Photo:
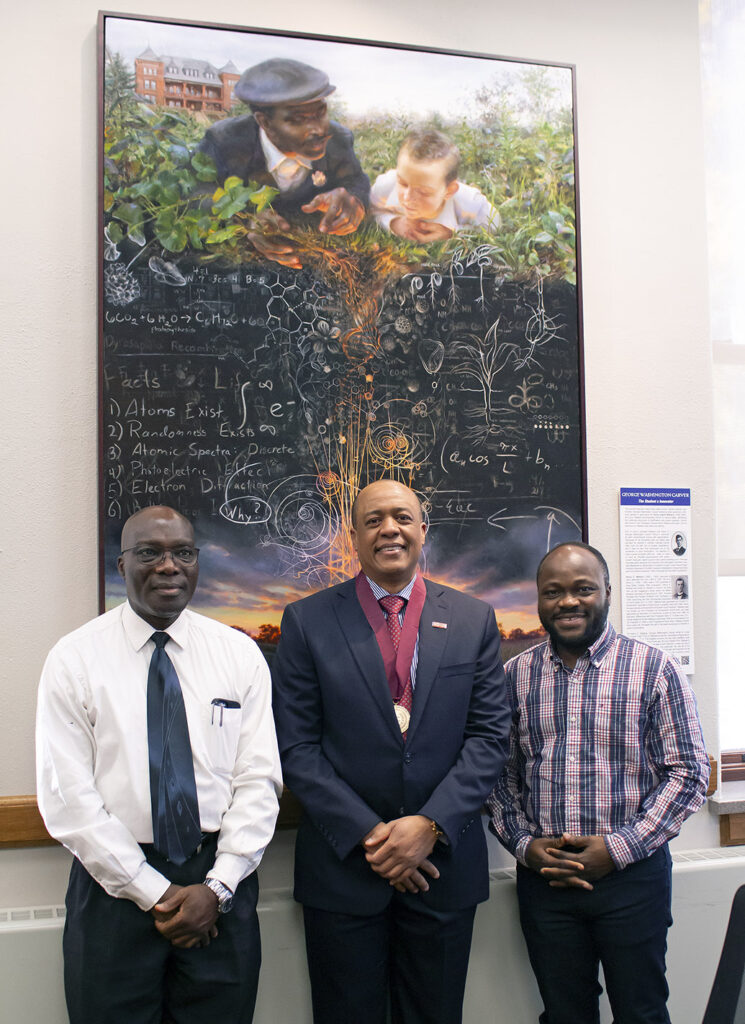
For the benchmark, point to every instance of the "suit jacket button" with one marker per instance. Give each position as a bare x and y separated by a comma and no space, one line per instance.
407,759
401,812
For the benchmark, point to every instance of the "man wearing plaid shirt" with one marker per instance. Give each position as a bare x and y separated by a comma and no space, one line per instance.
606,761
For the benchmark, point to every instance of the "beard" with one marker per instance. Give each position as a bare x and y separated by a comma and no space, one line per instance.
594,626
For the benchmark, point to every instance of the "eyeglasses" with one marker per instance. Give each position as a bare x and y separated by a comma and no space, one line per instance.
154,554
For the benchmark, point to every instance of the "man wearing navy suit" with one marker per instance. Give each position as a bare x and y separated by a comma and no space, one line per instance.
393,724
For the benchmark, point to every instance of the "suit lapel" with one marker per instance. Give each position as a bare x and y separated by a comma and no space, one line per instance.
432,640
361,641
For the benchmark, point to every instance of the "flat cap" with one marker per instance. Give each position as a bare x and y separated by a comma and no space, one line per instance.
282,81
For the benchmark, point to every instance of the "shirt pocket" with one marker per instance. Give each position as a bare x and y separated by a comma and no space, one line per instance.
616,729
222,729
464,669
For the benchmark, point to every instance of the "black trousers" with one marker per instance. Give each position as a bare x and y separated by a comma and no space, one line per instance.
622,923
409,954
120,970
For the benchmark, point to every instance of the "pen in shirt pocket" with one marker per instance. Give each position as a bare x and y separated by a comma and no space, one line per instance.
222,703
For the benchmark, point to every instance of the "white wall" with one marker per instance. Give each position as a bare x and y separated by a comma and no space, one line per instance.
500,987
648,365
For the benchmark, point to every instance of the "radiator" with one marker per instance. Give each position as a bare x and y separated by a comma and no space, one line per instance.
31,966
500,990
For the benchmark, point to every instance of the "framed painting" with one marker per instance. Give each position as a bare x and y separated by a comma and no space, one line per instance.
327,261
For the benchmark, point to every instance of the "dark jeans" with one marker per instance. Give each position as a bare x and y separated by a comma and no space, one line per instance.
416,955
120,970
622,924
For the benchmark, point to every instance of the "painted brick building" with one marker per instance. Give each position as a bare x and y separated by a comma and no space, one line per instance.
183,82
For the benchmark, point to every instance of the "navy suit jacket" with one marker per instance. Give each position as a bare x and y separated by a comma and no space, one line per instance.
235,146
345,759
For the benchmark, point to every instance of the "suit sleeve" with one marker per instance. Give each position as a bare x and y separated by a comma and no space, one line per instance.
509,822
331,804
210,148
233,145
462,792
345,170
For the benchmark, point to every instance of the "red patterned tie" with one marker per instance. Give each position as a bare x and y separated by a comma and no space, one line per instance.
392,605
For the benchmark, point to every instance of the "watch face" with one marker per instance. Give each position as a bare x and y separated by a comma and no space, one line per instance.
224,895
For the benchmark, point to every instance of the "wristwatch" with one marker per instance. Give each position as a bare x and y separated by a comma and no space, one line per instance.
224,895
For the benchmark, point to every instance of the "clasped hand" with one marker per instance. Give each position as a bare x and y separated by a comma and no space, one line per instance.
186,915
398,850
419,230
586,861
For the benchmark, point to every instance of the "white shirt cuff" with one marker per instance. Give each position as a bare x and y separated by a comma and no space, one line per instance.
145,889
230,870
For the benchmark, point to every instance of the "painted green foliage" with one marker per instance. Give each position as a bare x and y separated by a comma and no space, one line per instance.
159,191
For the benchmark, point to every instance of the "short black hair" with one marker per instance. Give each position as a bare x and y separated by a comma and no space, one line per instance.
585,547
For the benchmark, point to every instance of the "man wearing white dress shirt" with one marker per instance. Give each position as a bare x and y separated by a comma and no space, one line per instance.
161,905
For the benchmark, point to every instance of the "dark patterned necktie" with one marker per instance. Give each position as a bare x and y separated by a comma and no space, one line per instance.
392,605
173,791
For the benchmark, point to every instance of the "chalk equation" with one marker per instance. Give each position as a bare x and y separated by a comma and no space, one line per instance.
259,401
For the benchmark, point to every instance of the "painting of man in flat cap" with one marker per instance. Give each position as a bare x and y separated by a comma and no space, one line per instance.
288,142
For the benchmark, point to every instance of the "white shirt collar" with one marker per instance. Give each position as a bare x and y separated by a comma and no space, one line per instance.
404,592
139,632
274,157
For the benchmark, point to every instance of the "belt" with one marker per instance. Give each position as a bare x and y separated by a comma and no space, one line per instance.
207,839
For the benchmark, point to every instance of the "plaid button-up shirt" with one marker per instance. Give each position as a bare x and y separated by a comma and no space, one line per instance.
613,748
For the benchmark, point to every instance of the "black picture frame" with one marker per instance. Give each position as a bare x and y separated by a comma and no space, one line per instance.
258,397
